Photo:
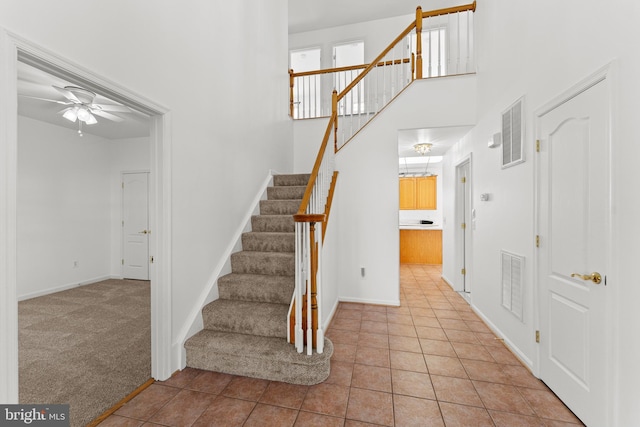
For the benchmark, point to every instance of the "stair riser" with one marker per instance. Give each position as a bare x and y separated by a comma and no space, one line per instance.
286,193
279,207
261,263
269,292
273,223
247,366
289,180
269,243
266,320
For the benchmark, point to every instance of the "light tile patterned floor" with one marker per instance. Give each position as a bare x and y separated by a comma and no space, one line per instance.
430,362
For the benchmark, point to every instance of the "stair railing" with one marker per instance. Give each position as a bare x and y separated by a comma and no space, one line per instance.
310,226
367,92
441,45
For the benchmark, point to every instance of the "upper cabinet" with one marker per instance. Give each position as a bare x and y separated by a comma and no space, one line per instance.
418,193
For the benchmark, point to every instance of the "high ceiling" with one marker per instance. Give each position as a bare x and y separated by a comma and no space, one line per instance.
307,15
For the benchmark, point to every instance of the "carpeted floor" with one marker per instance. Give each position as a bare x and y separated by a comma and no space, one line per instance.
88,347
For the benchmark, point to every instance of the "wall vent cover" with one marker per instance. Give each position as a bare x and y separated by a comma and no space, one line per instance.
513,135
512,283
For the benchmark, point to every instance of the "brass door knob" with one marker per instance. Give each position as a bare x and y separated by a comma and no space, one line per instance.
595,277
144,232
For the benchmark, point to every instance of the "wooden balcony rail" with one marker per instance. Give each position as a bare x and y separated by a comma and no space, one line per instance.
366,94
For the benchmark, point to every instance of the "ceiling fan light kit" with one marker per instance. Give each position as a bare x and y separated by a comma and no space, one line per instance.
81,107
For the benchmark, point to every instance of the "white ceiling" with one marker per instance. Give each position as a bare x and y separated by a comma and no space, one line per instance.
33,82
442,139
307,15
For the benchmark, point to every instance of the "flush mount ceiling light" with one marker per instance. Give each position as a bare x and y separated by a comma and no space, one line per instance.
422,148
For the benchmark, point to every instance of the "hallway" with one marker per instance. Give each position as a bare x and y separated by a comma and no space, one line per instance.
430,362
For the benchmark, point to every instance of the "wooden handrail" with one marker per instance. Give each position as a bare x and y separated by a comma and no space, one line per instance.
455,9
347,68
302,211
471,7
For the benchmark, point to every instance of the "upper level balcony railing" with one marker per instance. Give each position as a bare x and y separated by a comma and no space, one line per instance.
437,43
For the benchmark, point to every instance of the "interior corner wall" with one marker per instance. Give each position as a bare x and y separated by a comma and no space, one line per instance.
64,202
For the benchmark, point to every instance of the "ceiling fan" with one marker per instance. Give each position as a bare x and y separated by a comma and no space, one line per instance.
80,106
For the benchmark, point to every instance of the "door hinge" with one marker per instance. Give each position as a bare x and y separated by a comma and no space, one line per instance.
463,179
464,226
123,185
122,262
151,259
537,241
537,145
538,336
463,271
123,222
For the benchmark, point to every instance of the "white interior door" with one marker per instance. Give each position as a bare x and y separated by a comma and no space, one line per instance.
574,230
463,224
135,225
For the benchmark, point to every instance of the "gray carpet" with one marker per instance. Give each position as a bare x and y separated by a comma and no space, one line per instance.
88,347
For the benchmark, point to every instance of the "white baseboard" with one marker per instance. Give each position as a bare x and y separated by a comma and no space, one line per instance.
394,303
62,288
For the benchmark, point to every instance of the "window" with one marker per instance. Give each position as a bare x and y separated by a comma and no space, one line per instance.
307,89
345,55
434,51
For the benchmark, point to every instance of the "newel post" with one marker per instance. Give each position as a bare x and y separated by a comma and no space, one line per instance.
419,42
291,92
314,284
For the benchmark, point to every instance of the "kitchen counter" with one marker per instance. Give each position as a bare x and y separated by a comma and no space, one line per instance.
417,226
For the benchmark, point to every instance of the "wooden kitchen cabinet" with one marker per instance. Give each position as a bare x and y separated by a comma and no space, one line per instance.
421,246
418,193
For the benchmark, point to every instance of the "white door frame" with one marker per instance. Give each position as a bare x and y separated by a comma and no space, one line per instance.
607,75
13,47
459,217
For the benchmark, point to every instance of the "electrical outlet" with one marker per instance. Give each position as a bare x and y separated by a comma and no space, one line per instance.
362,271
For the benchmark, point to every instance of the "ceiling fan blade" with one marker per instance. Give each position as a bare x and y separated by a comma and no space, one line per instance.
108,116
112,107
67,94
45,99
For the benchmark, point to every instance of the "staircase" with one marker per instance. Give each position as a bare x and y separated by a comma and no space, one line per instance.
245,330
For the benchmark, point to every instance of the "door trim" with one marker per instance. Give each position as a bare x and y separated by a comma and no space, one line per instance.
13,48
607,75
458,235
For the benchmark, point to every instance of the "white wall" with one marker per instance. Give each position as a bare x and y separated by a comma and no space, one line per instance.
367,195
518,56
64,206
227,91
70,205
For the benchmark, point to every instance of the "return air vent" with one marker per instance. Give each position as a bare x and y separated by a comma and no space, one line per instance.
513,135
512,278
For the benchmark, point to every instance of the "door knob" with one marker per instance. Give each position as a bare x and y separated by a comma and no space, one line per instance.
144,232
595,277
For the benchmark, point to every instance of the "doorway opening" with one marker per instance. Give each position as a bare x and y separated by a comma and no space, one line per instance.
14,51
463,227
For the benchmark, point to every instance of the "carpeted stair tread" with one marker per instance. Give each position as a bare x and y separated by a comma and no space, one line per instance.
274,223
252,262
269,242
294,179
246,317
279,207
256,287
290,192
257,357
